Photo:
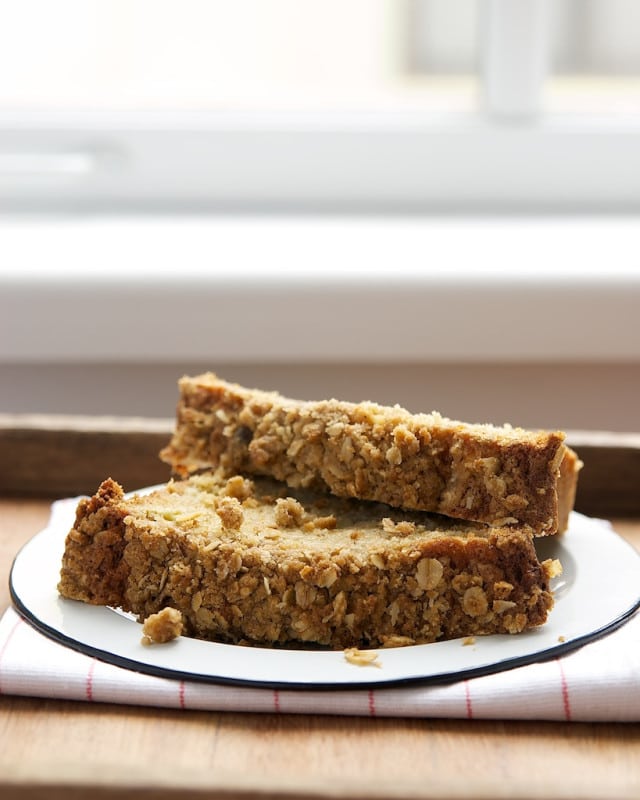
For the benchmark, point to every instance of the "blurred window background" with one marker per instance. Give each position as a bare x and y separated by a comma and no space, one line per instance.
407,200
403,103
309,54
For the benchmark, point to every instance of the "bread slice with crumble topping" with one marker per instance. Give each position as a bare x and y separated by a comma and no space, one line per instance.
499,476
254,561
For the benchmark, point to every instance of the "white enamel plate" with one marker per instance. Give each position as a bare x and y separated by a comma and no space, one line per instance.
598,591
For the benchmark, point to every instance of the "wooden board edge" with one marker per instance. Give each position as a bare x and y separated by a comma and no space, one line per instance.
58,455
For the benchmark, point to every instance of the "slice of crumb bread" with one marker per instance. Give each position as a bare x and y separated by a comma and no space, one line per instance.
499,476
252,561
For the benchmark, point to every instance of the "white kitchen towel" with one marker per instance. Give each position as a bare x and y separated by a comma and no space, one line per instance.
599,682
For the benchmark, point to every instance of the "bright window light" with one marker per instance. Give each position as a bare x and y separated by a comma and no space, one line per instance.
215,55
320,105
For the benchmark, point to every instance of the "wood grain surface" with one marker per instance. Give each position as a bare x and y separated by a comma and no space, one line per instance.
59,749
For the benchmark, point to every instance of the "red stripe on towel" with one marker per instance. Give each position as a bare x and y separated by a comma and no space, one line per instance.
276,701
372,703
566,703
467,694
88,686
181,695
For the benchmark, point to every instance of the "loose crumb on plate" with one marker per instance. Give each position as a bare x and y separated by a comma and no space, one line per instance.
554,568
468,640
162,627
361,658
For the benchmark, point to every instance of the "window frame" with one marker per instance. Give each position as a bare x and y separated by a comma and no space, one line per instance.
319,162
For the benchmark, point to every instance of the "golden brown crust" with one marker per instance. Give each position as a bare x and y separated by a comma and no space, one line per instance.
567,486
497,476
95,547
376,577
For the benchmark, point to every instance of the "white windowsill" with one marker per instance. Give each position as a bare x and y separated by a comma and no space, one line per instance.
311,289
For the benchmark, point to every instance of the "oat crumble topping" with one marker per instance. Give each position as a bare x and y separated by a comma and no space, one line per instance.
289,512
230,512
